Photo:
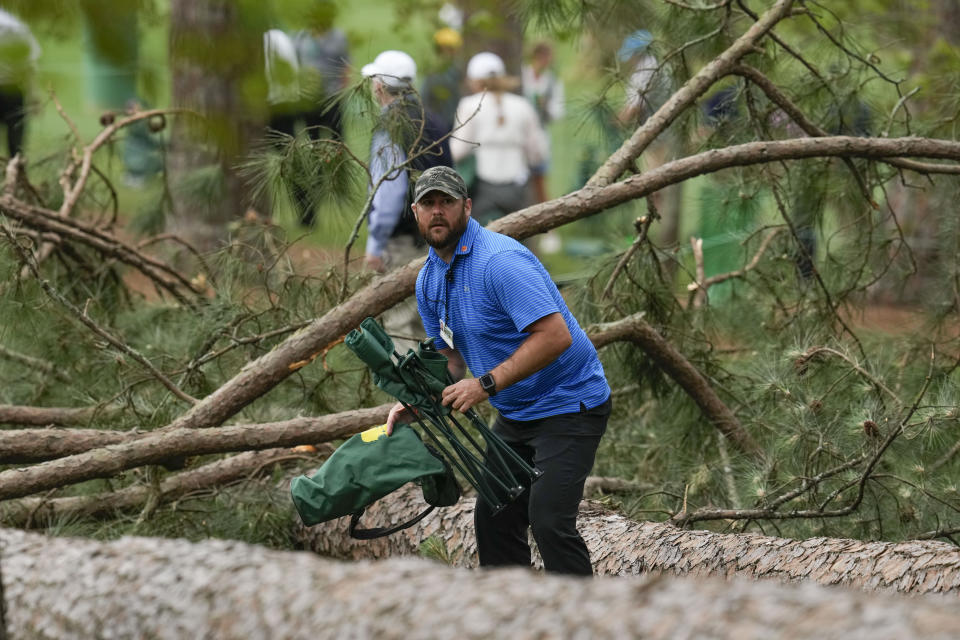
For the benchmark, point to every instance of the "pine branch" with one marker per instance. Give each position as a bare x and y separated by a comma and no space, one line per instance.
667,357
687,95
770,512
642,225
739,273
37,364
877,384
93,326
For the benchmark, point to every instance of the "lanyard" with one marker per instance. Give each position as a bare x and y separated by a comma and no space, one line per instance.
447,281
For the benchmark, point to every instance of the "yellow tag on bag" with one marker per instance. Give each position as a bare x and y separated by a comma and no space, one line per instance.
374,433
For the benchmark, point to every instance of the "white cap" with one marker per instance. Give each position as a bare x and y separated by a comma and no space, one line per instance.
485,65
393,68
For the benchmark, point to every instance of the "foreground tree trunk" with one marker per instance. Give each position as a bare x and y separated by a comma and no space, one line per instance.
619,546
156,588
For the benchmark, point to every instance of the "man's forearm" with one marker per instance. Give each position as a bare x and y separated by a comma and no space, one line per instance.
548,339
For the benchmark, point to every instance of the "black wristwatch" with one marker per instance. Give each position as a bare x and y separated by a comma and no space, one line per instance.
489,384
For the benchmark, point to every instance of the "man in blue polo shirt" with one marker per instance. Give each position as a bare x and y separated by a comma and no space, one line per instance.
493,308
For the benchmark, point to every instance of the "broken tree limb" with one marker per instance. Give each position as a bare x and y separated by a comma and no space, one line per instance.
103,243
26,446
157,588
684,97
300,349
261,375
160,446
43,512
619,546
42,416
591,200
636,330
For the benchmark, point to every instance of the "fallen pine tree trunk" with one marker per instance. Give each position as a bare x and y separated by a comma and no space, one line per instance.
159,446
24,446
42,512
19,446
619,546
158,588
43,416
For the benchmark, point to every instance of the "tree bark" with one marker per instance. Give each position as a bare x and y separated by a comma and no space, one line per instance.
41,512
24,446
619,546
161,446
43,416
157,588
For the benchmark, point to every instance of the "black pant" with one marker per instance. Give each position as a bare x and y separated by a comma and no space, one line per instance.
14,117
549,507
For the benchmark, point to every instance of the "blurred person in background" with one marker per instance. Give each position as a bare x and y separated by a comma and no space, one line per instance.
324,57
502,132
322,60
19,52
544,90
645,89
393,238
441,89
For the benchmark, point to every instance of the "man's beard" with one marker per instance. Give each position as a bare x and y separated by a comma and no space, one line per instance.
435,236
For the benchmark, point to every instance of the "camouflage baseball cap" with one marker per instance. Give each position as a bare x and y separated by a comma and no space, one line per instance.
439,179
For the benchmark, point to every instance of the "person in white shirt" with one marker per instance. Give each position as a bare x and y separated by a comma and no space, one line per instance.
646,86
503,132
544,90
541,86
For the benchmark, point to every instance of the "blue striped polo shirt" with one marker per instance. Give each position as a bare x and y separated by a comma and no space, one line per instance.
492,289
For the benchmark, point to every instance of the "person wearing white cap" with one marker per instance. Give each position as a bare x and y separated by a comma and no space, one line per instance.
503,131
646,86
406,131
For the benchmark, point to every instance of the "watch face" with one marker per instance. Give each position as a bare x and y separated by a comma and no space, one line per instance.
486,381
